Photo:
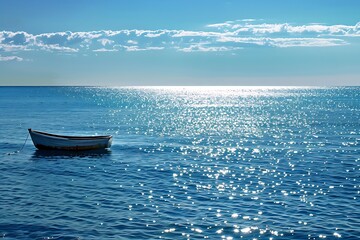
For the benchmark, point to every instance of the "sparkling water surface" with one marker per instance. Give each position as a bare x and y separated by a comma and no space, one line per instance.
186,163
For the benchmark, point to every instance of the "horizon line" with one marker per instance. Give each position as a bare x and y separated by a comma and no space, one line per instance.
184,86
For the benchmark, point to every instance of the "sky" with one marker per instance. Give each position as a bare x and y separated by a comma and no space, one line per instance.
180,42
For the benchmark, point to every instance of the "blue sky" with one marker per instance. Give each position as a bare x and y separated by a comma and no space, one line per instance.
169,42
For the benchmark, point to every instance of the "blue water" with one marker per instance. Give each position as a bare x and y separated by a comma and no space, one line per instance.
186,163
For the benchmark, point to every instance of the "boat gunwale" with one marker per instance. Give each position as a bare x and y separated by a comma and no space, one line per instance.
70,137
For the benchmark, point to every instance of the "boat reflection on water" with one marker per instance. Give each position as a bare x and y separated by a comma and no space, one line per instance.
58,154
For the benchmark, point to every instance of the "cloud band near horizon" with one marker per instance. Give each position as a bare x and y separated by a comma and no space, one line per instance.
230,36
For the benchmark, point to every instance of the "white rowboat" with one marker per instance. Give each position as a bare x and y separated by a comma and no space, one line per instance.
43,140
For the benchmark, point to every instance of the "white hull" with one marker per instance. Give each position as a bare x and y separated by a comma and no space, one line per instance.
44,140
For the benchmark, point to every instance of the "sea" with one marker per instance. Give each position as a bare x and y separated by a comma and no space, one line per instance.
186,163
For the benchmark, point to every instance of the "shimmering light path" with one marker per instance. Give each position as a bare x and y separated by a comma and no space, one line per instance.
187,162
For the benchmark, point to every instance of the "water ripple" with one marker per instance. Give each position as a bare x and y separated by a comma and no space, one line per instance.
218,163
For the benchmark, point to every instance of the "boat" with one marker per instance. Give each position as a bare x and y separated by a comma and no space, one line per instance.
47,141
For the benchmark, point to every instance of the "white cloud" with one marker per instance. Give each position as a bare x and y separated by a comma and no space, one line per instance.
241,26
226,24
206,47
11,58
137,48
155,34
286,42
306,42
105,50
229,36
132,42
244,40
229,24
154,48
183,33
13,48
105,41
57,48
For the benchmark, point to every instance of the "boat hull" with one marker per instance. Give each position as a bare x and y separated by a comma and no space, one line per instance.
46,141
